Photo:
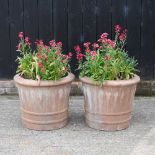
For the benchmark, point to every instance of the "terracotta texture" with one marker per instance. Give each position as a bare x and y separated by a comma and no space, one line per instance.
108,107
44,104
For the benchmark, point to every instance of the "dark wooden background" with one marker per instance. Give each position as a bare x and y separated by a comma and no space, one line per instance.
77,21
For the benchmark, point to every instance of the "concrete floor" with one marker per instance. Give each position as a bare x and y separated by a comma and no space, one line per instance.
76,138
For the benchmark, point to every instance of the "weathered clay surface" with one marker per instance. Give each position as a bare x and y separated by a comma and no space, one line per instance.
108,107
44,104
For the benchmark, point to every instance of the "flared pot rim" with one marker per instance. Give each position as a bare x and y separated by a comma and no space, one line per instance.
29,82
132,81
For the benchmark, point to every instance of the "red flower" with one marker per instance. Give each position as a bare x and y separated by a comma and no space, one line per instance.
77,48
45,57
103,38
80,56
95,45
104,35
93,53
27,40
122,37
47,48
86,45
59,44
41,65
69,55
111,43
117,28
99,40
52,43
87,50
20,35
125,31
39,42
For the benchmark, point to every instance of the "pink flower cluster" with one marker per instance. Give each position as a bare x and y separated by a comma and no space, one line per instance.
108,42
79,55
40,45
56,46
103,42
39,42
21,35
69,56
87,50
117,28
26,40
121,35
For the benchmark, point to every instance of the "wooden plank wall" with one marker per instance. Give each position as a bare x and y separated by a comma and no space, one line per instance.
74,22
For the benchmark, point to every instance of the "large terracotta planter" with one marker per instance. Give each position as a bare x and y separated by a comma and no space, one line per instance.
108,107
44,104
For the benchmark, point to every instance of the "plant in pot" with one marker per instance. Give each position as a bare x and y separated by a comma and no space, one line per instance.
109,81
43,80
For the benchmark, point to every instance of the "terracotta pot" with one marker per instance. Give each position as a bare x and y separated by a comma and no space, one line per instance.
44,104
108,107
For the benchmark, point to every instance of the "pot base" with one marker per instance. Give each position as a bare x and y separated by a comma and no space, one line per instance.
107,127
40,127
44,121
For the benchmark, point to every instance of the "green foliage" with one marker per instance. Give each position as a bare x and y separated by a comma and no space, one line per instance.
119,67
107,60
46,63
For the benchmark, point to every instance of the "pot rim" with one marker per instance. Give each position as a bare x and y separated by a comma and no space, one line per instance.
132,81
29,82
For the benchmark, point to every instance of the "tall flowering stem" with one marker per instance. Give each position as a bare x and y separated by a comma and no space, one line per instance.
24,44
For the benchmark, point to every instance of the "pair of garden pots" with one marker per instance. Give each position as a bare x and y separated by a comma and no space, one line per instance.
44,104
